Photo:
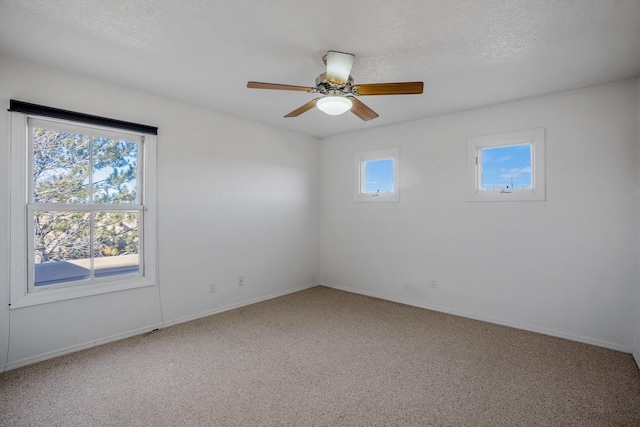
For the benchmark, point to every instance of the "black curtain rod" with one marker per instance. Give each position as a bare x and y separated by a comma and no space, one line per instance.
56,113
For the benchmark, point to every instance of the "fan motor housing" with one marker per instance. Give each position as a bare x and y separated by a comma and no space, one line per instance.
327,87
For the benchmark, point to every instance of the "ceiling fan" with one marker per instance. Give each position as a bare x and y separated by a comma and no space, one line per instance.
339,92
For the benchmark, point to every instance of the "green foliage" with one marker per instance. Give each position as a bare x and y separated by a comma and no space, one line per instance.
75,169
60,167
120,157
61,235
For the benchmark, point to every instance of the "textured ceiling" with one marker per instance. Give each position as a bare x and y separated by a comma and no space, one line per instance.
469,53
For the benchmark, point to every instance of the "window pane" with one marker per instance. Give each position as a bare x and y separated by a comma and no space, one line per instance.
60,167
379,176
116,244
506,167
61,247
115,171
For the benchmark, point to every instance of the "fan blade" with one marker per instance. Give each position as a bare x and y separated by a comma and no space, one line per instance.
407,88
339,66
306,107
260,85
362,111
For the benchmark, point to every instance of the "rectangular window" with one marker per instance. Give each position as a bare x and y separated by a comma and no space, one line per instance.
506,167
89,210
376,175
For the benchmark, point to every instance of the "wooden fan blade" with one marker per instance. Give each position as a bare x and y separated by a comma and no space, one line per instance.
275,86
306,107
339,66
407,88
362,111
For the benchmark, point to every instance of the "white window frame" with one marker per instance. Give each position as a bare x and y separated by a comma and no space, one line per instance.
475,145
22,294
360,161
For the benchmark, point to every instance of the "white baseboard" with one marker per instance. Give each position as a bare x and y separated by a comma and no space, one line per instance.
558,334
71,349
636,356
238,305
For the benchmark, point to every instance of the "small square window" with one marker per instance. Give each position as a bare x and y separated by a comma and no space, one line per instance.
376,175
507,166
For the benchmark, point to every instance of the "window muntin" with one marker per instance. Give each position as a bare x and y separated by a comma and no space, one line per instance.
507,166
83,210
377,175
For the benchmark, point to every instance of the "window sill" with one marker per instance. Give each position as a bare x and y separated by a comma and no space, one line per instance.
46,296
377,198
506,196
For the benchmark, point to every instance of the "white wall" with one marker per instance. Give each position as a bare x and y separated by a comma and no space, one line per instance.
636,347
565,266
236,198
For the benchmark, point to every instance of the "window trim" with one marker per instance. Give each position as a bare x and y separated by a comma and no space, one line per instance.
534,137
19,236
360,159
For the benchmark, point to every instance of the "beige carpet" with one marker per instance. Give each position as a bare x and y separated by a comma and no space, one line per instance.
323,357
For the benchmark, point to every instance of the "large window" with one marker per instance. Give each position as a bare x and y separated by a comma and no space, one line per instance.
83,209
506,166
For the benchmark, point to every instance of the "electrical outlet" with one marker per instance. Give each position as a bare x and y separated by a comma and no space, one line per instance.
212,287
434,283
241,281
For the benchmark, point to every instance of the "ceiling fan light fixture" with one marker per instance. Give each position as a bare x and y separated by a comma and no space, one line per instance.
337,91
334,105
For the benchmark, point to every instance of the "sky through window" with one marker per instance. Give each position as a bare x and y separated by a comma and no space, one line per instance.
379,176
506,167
